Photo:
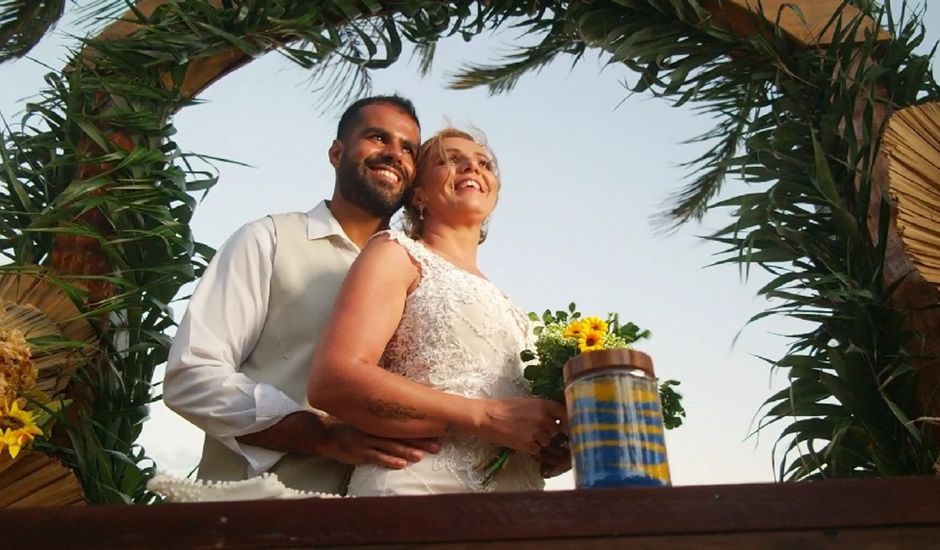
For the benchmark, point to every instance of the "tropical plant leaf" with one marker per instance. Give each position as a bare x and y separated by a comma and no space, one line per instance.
23,23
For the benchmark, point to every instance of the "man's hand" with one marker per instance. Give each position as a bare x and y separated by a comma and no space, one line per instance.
307,433
349,445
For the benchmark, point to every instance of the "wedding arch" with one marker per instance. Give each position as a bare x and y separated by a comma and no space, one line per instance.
821,107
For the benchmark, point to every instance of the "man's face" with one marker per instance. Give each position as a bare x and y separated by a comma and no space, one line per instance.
375,161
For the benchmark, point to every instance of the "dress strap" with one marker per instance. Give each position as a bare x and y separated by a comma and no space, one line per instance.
425,258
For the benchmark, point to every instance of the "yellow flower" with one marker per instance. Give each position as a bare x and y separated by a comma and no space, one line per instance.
595,324
18,428
574,330
591,340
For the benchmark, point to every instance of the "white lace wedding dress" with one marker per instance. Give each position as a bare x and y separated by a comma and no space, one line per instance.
460,334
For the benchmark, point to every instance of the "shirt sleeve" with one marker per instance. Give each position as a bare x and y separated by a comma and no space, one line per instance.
222,324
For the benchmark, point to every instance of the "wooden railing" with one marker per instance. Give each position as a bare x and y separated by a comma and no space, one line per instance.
884,513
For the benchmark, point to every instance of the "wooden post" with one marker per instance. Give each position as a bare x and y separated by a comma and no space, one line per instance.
806,21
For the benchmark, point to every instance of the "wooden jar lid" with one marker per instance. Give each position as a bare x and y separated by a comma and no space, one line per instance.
595,361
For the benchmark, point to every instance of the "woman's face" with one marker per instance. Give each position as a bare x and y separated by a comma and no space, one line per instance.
460,186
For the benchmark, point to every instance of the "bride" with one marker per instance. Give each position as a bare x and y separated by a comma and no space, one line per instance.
421,344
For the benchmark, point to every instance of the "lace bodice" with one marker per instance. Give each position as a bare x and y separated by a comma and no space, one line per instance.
460,334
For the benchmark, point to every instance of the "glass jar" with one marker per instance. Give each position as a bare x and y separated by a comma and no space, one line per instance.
616,419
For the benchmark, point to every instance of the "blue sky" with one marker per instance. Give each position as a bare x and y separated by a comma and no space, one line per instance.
584,166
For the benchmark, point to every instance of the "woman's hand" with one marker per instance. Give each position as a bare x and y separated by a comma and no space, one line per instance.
524,423
556,458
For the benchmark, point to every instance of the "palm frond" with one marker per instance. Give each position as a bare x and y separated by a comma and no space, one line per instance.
425,55
23,23
91,14
502,78
556,37
714,166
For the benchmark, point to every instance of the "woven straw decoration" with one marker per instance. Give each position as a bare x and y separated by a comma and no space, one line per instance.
60,341
911,147
34,479
38,308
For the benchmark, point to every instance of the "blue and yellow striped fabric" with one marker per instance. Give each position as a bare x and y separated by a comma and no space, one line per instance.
617,433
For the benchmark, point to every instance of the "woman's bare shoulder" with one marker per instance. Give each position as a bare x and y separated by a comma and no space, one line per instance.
385,244
384,251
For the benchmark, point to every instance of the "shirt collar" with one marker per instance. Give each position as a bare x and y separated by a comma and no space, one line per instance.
321,224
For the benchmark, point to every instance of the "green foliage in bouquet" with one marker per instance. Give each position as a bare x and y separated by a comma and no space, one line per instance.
564,334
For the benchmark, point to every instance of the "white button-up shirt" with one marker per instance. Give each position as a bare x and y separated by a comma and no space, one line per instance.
221,326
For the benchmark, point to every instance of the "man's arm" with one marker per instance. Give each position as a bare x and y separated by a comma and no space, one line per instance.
226,313
204,384
307,433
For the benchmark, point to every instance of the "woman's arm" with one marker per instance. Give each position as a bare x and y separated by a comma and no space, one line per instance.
346,381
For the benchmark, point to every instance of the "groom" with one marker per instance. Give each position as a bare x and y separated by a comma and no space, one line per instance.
239,363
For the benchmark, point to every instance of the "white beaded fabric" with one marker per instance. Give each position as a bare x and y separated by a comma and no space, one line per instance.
459,334
263,487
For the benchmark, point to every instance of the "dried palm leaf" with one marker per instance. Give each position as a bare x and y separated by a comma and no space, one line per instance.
911,147
34,479
54,363
42,291
59,337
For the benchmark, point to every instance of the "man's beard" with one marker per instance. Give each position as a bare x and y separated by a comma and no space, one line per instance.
374,199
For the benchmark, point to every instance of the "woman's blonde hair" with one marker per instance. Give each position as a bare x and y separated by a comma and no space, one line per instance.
412,222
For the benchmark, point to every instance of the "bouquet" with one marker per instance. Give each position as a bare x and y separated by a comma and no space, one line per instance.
562,335
24,409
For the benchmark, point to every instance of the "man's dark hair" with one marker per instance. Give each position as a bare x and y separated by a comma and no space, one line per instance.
351,114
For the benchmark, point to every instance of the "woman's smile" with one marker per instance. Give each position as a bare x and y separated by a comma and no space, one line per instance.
469,185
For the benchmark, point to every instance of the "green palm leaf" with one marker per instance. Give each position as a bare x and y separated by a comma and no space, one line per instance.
23,23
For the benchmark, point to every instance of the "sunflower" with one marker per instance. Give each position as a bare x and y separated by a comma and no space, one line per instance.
594,324
591,340
18,428
575,329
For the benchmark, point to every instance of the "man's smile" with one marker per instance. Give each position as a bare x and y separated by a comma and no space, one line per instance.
386,172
